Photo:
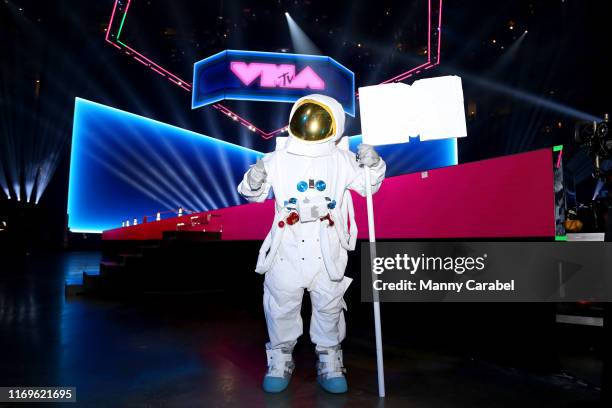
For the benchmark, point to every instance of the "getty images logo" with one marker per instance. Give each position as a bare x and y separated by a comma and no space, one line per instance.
277,76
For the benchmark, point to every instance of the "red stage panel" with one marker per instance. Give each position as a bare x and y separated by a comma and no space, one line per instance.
510,196
241,222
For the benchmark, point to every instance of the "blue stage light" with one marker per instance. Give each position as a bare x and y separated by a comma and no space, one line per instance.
414,156
122,166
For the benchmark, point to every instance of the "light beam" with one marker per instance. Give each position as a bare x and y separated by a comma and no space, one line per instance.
300,41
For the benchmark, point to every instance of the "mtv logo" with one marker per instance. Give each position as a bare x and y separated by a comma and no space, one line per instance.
273,75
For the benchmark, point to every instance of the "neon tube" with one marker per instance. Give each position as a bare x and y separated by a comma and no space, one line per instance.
123,19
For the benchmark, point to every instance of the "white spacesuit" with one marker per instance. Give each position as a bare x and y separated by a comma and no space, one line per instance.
308,242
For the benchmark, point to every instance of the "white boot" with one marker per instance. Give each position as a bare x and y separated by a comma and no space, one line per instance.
330,370
280,368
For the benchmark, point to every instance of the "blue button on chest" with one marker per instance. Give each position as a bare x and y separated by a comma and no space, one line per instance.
320,185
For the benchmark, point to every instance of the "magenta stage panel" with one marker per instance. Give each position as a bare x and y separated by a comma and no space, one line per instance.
241,222
510,196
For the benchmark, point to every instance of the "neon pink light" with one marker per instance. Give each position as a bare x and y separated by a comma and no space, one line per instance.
159,72
429,32
279,130
559,159
239,119
276,76
144,60
439,31
247,73
178,80
267,135
307,78
111,21
404,75
141,61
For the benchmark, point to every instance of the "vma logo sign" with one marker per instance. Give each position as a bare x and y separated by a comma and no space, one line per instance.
271,77
277,76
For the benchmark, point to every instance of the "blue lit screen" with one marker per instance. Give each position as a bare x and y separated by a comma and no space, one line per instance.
124,166
414,156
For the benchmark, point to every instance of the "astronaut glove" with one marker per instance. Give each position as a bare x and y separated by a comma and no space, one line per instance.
257,175
367,156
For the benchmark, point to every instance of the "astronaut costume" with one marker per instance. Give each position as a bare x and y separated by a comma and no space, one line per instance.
307,245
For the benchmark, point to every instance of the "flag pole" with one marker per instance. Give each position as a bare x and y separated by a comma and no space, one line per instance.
375,299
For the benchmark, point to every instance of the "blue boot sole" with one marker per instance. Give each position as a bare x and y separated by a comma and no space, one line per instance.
336,385
275,384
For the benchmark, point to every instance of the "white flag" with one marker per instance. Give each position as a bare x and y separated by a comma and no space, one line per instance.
431,108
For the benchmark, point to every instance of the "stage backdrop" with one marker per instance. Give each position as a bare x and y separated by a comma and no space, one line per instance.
124,166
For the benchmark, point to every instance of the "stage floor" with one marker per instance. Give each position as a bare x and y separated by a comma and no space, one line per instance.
199,350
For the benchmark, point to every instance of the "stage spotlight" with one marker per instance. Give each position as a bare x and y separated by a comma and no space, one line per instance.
300,41
509,56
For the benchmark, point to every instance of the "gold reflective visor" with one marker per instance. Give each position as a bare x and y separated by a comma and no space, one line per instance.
312,122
